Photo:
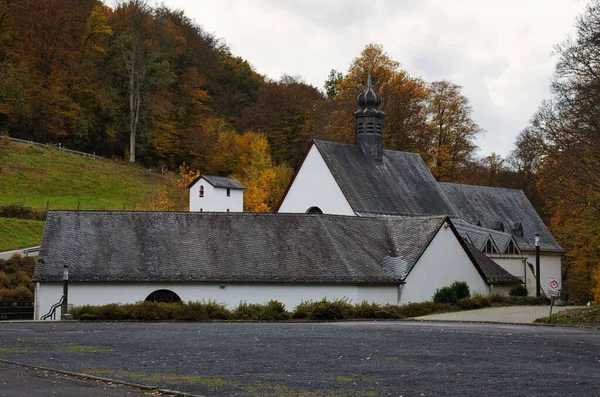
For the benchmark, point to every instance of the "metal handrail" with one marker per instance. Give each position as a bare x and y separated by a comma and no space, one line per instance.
52,312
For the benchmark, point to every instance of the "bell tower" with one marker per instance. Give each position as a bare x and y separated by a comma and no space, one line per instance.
369,122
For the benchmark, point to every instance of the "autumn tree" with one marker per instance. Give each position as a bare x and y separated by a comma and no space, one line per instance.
404,101
451,128
332,82
285,111
567,129
246,158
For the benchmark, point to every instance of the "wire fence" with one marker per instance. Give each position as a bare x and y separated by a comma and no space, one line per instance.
59,147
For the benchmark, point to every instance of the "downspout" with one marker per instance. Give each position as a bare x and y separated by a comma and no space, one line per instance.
400,286
36,305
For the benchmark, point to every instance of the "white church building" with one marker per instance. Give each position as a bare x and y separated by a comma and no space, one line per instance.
356,222
366,180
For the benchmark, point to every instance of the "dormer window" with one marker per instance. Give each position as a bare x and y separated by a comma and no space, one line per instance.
498,225
228,192
490,247
512,249
518,229
201,190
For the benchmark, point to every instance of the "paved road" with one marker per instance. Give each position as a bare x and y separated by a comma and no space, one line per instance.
19,381
511,314
315,359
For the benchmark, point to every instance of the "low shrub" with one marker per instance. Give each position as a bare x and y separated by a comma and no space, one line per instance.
476,301
339,309
461,289
21,211
272,311
452,293
528,300
366,310
518,290
445,295
18,294
151,311
425,308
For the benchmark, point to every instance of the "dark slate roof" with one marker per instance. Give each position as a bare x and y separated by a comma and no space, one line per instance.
234,247
219,181
493,272
400,185
489,205
479,235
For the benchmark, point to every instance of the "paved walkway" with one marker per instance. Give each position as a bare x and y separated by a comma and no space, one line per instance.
512,314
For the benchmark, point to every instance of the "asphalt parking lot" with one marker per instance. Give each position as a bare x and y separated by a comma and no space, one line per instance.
314,359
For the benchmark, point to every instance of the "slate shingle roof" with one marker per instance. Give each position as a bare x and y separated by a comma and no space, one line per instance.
400,185
488,205
219,181
479,235
494,273
240,247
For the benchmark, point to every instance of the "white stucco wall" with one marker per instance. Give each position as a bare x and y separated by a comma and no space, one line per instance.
215,198
314,186
514,264
550,267
289,294
442,263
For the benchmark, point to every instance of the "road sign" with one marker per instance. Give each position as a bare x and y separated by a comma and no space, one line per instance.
554,287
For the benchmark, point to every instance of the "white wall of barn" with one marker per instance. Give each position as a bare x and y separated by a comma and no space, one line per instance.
550,267
314,186
443,262
92,293
215,198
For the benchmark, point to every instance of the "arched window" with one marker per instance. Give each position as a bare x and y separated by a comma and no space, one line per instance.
314,210
163,295
201,190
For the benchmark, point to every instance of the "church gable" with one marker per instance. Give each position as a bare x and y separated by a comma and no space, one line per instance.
314,189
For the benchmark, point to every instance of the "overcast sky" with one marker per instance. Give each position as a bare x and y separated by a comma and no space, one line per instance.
500,51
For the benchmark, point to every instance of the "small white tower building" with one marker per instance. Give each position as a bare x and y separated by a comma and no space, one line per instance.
210,193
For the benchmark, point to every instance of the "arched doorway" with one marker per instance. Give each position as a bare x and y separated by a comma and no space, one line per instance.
163,295
314,210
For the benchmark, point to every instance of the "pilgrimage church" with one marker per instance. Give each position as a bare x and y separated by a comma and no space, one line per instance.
356,222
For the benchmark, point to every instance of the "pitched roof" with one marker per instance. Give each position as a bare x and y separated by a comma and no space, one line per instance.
235,247
219,181
400,185
493,272
489,205
479,235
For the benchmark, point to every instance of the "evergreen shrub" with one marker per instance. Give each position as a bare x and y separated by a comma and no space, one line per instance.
518,290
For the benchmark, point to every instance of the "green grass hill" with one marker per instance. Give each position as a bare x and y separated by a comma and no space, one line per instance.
43,177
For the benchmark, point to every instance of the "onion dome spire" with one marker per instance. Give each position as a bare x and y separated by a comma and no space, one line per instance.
369,122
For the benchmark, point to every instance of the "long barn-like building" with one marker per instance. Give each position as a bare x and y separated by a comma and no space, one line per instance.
357,222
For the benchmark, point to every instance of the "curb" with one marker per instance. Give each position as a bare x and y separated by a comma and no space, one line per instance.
102,379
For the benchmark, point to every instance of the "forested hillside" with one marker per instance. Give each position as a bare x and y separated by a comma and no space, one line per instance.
147,84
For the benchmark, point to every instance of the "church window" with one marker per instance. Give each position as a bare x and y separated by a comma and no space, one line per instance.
228,192
361,128
490,248
511,249
370,127
201,190
163,295
314,210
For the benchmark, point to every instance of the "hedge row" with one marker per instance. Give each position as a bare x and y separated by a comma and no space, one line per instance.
340,309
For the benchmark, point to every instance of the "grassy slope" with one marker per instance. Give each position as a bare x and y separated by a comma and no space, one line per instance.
18,233
35,175
586,315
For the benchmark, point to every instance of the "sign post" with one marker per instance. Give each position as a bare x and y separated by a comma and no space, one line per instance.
553,291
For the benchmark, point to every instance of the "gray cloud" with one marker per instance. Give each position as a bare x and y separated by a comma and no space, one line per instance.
499,51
